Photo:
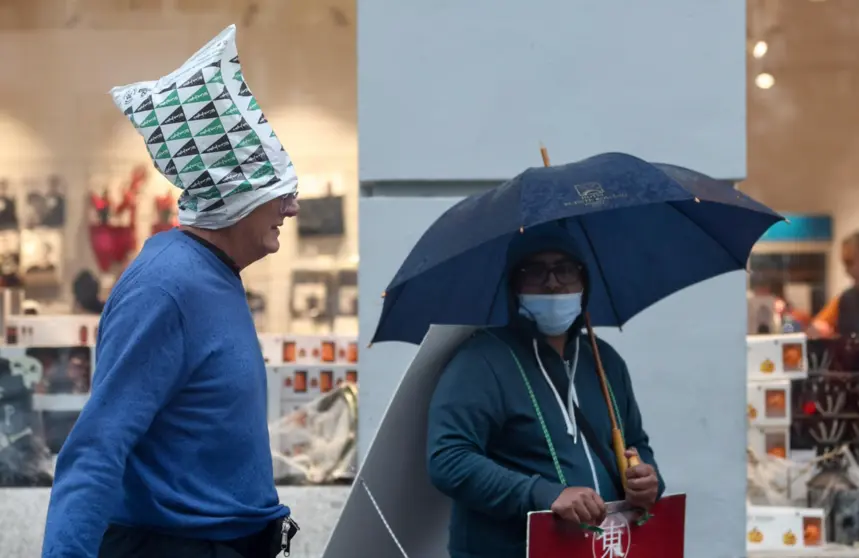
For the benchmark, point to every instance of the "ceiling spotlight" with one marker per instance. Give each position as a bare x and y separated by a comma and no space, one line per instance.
764,80
760,49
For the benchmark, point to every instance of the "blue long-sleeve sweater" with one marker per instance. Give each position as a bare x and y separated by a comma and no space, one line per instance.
174,437
486,449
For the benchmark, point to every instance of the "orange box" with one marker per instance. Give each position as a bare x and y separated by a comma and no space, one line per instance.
769,403
326,381
300,382
776,357
329,353
777,528
289,351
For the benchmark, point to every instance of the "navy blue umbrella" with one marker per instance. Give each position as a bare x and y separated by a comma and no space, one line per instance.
645,231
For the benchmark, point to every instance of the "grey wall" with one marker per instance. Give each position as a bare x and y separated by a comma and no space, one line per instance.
455,90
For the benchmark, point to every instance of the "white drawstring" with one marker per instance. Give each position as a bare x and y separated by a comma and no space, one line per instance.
569,418
567,411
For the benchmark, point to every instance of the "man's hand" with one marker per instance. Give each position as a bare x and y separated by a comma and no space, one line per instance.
580,505
642,484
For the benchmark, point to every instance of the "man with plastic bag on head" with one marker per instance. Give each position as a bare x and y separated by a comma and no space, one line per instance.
170,456
518,422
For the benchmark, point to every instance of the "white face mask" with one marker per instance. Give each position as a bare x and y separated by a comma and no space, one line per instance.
553,314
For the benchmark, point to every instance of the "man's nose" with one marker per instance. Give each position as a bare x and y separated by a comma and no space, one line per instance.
552,283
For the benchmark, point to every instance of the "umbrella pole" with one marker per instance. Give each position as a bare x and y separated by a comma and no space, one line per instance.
617,440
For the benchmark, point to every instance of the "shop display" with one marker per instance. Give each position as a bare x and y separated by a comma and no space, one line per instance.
826,404
113,232
773,440
803,431
788,276
310,300
347,293
41,256
316,442
776,356
781,528
321,217
45,205
51,331
165,213
25,459
281,349
833,355
47,365
87,292
291,387
769,403
763,315
842,518
10,258
63,389
8,207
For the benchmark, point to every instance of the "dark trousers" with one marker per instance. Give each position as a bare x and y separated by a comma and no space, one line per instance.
136,542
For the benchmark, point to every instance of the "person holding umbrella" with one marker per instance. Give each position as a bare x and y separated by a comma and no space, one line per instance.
488,430
530,414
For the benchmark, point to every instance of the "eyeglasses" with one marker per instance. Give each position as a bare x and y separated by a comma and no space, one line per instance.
566,273
287,201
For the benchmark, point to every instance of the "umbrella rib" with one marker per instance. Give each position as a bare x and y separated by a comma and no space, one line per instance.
581,223
742,265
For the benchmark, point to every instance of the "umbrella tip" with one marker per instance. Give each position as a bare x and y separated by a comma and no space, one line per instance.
544,153
786,220
370,344
697,200
521,230
384,294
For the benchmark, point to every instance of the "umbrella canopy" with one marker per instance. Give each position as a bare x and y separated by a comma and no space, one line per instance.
644,231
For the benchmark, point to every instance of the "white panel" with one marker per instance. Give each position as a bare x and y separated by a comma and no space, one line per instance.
467,90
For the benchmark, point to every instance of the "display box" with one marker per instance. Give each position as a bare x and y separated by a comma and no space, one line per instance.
51,331
271,345
291,386
782,356
280,350
782,528
773,441
769,403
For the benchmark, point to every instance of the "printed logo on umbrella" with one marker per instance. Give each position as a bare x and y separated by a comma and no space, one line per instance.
592,193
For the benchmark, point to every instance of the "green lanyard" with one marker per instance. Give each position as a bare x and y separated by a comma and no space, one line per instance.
563,480
552,452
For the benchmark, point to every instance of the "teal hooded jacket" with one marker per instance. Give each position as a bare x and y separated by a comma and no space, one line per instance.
486,447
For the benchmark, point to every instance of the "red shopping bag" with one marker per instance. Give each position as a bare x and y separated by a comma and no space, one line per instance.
659,537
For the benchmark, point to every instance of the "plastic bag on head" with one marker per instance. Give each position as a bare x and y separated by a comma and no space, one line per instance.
206,133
